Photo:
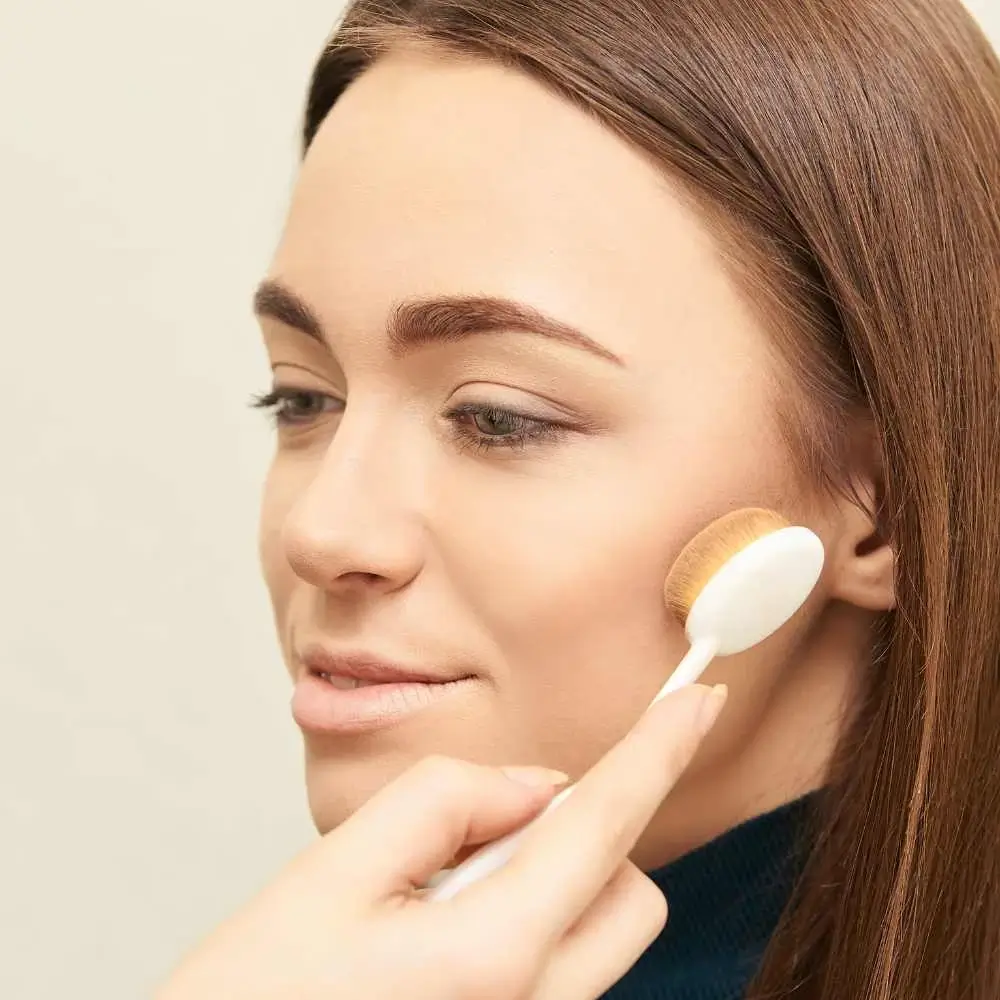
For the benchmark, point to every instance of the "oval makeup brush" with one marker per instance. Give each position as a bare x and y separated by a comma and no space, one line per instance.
733,585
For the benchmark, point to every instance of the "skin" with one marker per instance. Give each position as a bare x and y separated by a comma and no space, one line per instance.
389,527
347,916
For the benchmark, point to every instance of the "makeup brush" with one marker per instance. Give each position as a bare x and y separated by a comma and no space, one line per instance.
736,583
733,585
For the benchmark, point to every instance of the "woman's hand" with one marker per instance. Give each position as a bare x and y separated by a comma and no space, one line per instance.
564,920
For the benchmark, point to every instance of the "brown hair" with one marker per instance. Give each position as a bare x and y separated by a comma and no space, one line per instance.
850,151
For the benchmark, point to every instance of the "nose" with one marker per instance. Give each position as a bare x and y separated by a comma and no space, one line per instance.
356,526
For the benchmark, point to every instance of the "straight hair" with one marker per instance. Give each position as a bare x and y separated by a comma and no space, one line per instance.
848,155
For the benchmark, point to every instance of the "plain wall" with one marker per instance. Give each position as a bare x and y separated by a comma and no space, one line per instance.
150,774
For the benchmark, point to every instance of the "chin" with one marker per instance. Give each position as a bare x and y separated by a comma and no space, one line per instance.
337,786
330,805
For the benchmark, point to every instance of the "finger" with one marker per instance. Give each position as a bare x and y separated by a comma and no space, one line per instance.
415,825
476,841
531,775
607,941
571,853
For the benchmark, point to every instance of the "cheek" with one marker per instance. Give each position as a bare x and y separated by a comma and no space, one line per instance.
567,577
597,642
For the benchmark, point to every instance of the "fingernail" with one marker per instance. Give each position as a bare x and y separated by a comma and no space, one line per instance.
710,707
536,777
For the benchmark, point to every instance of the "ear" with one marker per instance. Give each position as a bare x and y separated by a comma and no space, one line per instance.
863,561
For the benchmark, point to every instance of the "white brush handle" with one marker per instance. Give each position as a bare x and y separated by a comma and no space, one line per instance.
699,656
489,859
494,856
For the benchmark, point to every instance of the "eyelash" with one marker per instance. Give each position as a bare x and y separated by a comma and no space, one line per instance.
279,401
525,430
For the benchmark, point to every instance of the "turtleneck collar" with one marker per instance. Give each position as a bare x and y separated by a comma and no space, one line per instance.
725,900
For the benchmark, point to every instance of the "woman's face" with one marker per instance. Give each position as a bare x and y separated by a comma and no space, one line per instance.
470,490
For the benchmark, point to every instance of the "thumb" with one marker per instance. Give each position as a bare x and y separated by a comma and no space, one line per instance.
416,825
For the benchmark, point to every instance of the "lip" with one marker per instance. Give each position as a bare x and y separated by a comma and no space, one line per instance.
368,667
391,692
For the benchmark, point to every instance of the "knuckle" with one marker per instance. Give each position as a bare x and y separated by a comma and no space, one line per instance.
650,904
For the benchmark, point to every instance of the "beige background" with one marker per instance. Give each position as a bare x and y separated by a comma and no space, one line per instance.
149,774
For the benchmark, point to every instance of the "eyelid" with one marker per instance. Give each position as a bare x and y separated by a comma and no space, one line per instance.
333,384
527,403
315,382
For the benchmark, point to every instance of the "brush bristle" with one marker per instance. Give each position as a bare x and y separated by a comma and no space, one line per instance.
710,550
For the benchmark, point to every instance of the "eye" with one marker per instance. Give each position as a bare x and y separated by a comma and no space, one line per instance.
289,406
497,423
483,426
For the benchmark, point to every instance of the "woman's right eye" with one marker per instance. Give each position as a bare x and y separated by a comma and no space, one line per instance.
288,406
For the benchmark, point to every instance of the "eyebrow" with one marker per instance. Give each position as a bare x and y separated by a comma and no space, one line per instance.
444,319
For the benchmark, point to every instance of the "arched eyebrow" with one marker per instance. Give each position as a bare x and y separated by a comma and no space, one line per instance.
417,322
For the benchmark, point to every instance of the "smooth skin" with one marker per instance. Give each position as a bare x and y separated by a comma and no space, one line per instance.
565,919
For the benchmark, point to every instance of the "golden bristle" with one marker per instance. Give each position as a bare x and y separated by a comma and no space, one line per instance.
710,549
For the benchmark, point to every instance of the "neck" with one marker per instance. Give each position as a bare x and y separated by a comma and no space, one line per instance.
784,756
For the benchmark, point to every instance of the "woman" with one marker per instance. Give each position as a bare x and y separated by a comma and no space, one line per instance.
590,275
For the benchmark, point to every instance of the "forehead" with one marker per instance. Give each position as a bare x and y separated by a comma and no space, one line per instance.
446,176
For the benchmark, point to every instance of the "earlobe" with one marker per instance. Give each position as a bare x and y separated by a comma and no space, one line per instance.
864,563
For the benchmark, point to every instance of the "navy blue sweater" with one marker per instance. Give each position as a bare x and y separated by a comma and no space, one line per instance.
725,900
